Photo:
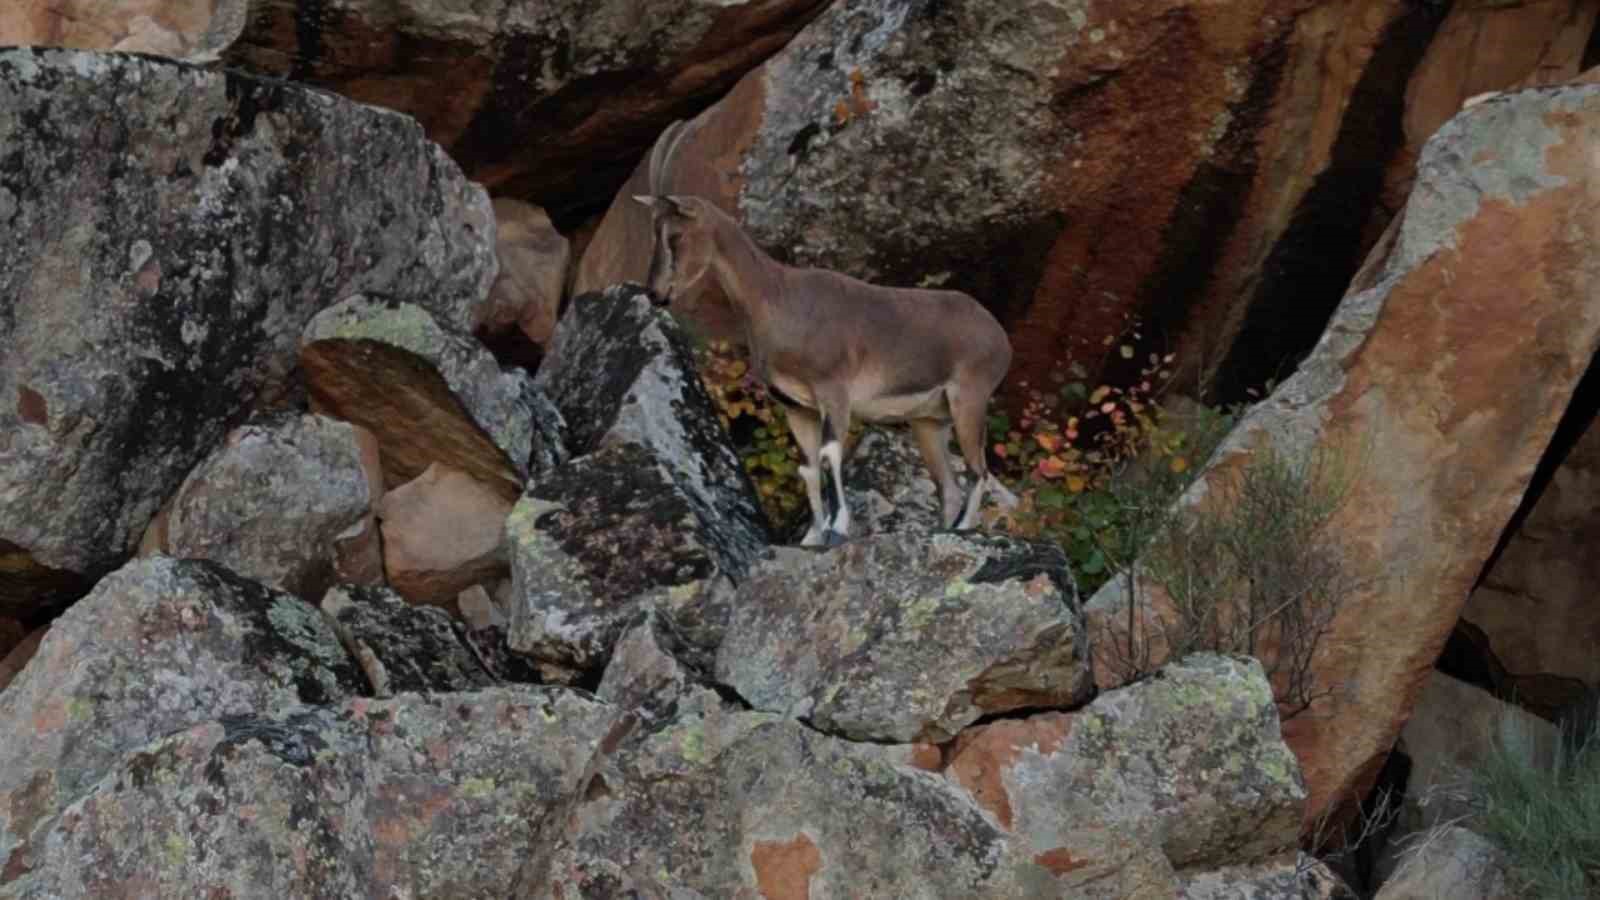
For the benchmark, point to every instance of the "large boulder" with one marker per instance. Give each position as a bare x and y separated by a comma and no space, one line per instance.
1005,151
1436,388
275,501
656,482
548,101
907,637
1186,771
419,796
171,230
160,645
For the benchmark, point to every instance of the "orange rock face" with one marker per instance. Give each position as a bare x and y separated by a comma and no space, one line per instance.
1020,163
1440,387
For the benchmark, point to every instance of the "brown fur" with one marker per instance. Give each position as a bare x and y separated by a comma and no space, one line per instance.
837,346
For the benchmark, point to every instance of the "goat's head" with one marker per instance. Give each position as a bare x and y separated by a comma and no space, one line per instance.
683,244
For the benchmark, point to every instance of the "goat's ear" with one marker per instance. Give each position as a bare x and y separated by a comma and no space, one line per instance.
683,206
646,199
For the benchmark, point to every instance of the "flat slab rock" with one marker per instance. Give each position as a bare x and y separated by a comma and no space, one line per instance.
169,232
419,796
157,646
907,637
499,404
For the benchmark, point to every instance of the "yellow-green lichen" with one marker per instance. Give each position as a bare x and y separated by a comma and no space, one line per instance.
174,850
478,788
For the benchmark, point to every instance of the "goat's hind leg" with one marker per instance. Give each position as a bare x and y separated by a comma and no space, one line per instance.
969,409
933,439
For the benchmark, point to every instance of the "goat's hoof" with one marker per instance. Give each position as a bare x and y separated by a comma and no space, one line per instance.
833,538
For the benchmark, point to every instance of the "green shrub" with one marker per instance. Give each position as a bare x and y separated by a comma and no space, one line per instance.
1546,819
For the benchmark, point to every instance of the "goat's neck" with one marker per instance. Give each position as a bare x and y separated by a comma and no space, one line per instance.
752,280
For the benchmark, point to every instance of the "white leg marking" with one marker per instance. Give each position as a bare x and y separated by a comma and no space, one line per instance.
832,455
974,502
813,480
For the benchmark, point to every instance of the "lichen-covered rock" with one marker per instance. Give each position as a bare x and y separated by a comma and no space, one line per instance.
621,371
722,803
443,532
170,230
419,796
644,675
907,637
495,400
157,646
550,101
591,545
1437,388
402,648
273,501
1185,771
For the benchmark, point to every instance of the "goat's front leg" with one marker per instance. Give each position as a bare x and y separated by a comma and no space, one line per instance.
835,408
806,426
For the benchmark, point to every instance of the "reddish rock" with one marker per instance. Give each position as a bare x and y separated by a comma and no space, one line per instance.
533,271
1440,387
1006,151
443,532
193,29
1484,47
549,101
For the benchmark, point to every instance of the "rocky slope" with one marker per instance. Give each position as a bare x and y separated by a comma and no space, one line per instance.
307,589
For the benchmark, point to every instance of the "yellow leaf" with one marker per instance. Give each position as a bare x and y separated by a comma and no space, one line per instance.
1179,464
1076,484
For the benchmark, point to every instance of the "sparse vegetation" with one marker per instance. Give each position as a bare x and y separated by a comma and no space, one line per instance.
1546,819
